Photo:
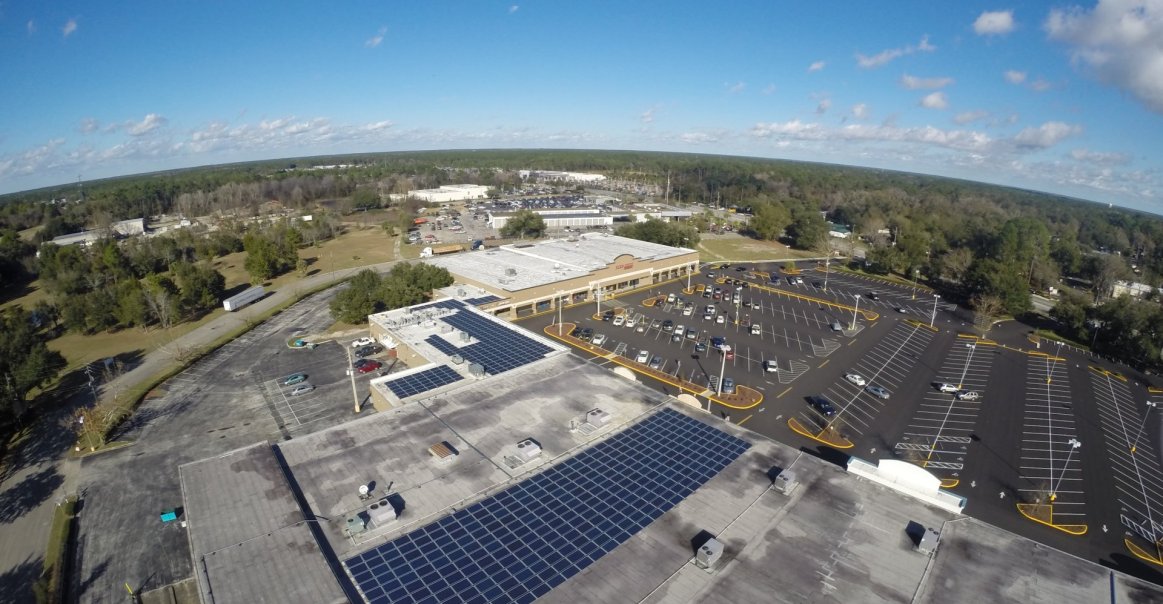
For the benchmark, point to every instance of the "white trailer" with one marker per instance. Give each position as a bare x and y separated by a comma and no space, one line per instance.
236,302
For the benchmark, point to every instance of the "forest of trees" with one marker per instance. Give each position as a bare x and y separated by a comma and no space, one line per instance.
404,285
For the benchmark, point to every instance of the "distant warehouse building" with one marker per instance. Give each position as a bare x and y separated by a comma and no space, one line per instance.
563,176
558,218
530,278
446,193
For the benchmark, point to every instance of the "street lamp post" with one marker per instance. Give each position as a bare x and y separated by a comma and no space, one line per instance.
1054,363
933,317
559,305
827,270
854,311
916,274
1074,444
722,369
971,347
1150,405
598,297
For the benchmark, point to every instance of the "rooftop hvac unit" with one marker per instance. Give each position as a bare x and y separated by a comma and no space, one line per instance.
512,272
928,541
382,512
460,293
528,449
446,328
708,555
464,337
476,370
456,359
786,482
597,418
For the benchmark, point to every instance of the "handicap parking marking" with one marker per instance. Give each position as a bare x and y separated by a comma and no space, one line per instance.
1134,464
1049,464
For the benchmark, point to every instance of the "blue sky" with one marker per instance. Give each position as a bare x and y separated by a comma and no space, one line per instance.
1049,96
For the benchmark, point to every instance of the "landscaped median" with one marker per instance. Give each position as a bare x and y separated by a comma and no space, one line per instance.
828,435
743,398
835,268
867,314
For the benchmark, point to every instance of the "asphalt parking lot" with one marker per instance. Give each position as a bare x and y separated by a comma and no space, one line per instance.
1042,426
232,398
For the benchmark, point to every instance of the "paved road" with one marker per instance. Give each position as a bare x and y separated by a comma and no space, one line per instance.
39,476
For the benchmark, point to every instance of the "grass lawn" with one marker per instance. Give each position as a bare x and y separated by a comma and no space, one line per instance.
737,249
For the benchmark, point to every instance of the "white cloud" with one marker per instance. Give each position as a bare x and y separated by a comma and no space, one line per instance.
1046,135
375,40
823,106
151,122
994,23
970,116
513,9
967,140
886,56
817,66
69,27
1119,41
769,89
88,126
1040,85
915,83
1014,76
1100,158
648,115
30,27
737,87
696,138
860,111
793,128
936,100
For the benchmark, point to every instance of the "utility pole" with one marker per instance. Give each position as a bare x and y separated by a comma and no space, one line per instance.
351,372
856,310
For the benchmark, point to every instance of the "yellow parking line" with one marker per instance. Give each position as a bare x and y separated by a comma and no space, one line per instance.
821,366
744,420
784,392
852,342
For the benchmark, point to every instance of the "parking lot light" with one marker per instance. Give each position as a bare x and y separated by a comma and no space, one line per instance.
1074,444
971,347
933,317
1135,444
856,310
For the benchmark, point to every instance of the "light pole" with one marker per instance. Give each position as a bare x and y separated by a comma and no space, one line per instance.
854,311
598,297
827,270
1150,405
933,317
1074,444
916,274
971,347
1097,326
559,305
1054,363
722,369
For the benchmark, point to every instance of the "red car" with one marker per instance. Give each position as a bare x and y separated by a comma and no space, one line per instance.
367,365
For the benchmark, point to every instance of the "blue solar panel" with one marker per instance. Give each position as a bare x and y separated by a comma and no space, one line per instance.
498,349
522,542
423,381
481,300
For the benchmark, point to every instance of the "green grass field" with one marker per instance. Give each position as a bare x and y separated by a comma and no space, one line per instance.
742,249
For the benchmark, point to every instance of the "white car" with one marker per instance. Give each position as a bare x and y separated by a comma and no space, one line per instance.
643,356
947,388
630,321
599,339
770,366
688,311
756,329
721,319
968,395
855,378
364,341
619,320
680,329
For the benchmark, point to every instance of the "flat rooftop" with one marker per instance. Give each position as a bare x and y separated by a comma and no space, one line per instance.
834,538
516,267
240,503
461,344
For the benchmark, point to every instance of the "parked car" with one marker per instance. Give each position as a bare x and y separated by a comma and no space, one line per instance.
701,346
836,326
364,341
668,325
691,334
721,319
728,386
873,296
770,366
740,269
877,391
822,405
855,378
902,310
367,351
688,311
599,339
630,321
799,280
968,395
947,388
656,324
608,315
791,281
656,362
587,334
367,365
620,320
302,389
295,378
756,329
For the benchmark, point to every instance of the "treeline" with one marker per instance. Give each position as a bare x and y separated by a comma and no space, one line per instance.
368,293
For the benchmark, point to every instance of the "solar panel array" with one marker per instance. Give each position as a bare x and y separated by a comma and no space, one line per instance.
498,348
423,381
519,544
482,300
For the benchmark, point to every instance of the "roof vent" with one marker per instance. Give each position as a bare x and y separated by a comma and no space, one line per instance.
460,293
597,418
456,359
443,452
928,542
786,482
512,272
528,449
477,370
382,512
464,337
708,554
